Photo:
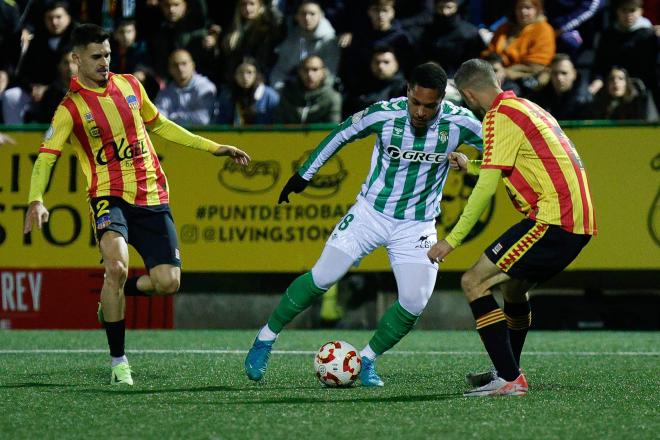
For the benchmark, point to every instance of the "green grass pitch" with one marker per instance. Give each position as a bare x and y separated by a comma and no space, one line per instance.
191,384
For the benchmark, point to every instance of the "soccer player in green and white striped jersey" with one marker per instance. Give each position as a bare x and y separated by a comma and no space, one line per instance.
396,208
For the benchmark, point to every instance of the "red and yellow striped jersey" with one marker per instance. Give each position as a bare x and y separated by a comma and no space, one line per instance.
541,168
106,128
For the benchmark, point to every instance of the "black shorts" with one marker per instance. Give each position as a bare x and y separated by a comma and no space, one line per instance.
534,251
149,229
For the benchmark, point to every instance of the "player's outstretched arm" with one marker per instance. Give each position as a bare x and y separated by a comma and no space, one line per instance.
179,135
237,155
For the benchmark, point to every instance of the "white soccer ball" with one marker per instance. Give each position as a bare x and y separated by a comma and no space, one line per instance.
337,364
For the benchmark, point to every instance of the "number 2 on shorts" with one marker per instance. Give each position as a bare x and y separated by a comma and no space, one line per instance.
346,221
102,208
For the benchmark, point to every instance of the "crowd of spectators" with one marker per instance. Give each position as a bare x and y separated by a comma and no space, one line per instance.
243,62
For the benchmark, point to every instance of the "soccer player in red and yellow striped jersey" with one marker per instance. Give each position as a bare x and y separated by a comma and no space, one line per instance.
547,182
106,119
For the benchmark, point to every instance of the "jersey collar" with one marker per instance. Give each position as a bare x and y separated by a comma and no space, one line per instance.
77,87
507,94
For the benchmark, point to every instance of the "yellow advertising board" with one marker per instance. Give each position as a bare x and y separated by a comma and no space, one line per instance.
229,221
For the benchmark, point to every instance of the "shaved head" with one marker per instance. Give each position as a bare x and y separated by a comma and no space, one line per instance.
478,85
475,74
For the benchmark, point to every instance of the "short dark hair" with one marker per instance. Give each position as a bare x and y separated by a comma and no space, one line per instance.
475,73
628,4
430,76
51,6
377,3
126,22
88,33
383,48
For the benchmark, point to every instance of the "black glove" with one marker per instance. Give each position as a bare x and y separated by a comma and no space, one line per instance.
295,184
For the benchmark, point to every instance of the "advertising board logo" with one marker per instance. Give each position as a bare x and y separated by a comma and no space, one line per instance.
327,181
258,177
654,212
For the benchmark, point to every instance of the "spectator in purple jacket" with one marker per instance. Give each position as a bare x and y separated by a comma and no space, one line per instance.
567,17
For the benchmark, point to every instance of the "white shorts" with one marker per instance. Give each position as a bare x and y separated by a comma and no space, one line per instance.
363,229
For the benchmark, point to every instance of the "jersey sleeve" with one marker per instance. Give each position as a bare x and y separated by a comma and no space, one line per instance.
502,140
358,126
148,109
468,124
470,131
58,133
476,205
179,135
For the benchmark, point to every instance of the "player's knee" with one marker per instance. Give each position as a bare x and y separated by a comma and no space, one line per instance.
116,272
414,306
469,284
323,280
168,285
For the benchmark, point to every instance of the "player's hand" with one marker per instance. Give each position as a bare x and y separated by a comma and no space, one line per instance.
237,155
295,184
439,251
37,214
457,161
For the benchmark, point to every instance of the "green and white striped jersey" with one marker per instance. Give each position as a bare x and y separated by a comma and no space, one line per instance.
408,166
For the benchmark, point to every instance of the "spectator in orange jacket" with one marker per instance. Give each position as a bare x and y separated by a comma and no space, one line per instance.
526,42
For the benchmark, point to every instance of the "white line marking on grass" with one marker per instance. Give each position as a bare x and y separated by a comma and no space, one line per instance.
307,352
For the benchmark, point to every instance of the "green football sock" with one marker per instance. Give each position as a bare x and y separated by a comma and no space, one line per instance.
298,297
393,326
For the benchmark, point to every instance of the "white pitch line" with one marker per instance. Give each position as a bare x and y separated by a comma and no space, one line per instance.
306,352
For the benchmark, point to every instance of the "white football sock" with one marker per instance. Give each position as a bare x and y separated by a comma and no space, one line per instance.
266,334
118,360
368,353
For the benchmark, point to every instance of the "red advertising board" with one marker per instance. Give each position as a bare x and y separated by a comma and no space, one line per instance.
68,299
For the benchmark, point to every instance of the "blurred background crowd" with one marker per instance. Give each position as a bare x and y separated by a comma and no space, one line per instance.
245,62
